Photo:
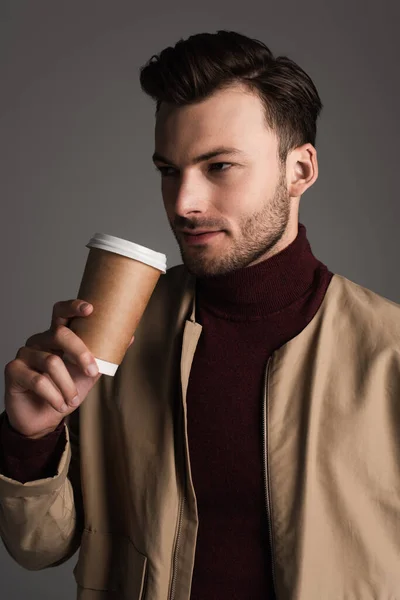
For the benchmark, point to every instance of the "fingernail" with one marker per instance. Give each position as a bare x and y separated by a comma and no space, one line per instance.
63,408
75,401
92,370
84,306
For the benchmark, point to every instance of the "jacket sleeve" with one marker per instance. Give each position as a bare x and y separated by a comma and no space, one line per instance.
41,521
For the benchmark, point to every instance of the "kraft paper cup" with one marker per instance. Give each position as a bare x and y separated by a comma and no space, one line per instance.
118,280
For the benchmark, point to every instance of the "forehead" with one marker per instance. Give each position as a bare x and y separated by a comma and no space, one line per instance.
230,117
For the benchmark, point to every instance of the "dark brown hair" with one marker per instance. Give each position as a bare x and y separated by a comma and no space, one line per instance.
207,62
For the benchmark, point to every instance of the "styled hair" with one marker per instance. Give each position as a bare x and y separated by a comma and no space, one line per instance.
204,63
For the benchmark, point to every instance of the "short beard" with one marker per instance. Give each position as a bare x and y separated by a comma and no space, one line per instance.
259,234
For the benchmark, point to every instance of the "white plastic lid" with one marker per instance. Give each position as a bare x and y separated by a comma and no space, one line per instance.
129,249
105,367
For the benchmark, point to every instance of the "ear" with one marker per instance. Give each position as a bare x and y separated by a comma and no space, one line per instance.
301,169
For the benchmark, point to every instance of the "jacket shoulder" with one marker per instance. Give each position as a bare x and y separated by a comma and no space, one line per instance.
368,310
170,301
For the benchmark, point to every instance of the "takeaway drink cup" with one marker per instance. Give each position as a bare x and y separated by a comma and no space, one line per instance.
118,280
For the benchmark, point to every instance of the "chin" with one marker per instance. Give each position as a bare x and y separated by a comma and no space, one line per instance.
198,267
206,268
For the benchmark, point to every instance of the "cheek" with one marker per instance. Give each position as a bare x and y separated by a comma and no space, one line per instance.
241,193
237,205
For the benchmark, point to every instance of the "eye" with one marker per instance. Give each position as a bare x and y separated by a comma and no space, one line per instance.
163,170
220,163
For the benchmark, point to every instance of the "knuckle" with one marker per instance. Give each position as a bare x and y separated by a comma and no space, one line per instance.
61,333
20,352
53,362
56,309
38,382
31,340
85,357
10,368
59,306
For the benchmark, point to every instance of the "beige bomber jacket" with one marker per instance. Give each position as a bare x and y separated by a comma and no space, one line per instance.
331,423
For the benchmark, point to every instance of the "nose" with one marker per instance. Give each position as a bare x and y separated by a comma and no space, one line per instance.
188,200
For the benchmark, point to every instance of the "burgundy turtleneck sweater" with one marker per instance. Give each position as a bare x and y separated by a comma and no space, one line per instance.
245,315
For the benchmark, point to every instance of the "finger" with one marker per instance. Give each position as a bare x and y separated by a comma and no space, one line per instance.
54,367
21,376
65,310
65,340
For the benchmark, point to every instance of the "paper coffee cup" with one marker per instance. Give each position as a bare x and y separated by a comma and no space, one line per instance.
118,280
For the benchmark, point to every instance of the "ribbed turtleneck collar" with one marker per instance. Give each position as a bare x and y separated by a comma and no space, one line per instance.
264,288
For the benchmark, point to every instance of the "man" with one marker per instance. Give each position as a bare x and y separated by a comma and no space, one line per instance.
248,445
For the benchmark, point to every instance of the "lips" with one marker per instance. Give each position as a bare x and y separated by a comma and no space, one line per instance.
198,231
200,238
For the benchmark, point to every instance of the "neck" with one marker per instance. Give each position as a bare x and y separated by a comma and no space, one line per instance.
287,238
265,287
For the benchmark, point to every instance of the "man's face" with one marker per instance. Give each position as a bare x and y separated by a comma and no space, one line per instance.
241,198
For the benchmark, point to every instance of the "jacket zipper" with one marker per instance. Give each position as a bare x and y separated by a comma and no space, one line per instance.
180,513
144,590
176,550
266,472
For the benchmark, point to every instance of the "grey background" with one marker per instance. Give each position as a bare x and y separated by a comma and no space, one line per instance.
77,134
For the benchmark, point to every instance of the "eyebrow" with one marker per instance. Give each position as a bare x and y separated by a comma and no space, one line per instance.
202,157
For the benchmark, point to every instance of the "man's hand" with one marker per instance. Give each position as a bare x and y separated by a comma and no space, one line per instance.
40,388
